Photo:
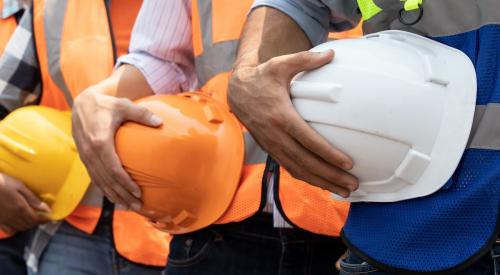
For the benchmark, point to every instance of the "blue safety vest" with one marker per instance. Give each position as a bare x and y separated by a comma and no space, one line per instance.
450,229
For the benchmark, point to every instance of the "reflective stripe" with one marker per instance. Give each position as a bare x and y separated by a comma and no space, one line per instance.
368,8
93,196
253,153
485,132
215,58
205,15
53,22
441,18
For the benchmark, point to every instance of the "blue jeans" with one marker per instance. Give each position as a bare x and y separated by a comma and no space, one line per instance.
12,254
253,247
489,264
74,252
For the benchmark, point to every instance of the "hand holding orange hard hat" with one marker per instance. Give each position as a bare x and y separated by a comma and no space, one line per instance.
189,168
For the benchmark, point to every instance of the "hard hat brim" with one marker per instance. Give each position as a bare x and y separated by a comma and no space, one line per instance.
72,191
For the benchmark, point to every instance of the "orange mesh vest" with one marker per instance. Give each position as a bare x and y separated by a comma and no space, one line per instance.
75,50
7,27
356,32
217,25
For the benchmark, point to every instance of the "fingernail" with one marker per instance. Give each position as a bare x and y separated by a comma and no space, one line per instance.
44,207
325,52
151,212
155,120
344,194
137,194
346,166
136,206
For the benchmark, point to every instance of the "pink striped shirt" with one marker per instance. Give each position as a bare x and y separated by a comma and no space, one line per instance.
161,46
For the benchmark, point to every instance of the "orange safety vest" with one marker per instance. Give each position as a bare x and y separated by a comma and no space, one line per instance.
356,32
74,45
217,25
7,28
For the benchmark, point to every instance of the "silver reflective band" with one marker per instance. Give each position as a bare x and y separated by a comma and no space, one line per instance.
54,11
216,58
93,196
253,153
485,132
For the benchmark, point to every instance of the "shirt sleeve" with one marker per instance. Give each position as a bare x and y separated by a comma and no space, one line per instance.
19,71
161,46
317,17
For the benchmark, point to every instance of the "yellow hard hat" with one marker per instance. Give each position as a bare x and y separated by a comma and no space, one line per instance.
36,147
189,168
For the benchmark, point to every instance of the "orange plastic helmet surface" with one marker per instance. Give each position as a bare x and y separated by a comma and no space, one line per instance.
189,168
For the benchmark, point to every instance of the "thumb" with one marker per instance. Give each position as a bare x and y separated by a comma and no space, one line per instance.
292,64
141,115
33,200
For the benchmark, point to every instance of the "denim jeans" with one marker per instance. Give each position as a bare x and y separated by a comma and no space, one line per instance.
489,264
253,247
495,254
74,252
12,254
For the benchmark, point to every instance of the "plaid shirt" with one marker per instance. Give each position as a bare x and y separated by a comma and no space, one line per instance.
12,7
19,73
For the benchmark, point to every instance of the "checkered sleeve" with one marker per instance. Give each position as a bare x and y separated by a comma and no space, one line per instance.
19,73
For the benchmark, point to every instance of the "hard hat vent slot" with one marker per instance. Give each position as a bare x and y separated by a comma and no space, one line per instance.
440,82
212,114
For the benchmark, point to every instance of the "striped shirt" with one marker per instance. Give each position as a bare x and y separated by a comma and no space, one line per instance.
161,46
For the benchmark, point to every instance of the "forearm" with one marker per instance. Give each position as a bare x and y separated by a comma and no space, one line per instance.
269,33
126,82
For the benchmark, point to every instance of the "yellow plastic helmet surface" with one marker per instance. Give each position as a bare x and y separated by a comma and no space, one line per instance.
189,168
36,147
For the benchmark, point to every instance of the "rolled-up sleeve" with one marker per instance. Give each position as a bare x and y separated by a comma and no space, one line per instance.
161,46
317,17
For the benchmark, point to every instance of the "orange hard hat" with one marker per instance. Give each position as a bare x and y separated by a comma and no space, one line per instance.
189,168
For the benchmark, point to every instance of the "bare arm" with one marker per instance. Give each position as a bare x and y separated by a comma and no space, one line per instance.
270,55
97,113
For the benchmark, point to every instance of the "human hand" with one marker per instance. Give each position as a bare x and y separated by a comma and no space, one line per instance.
21,208
260,97
96,118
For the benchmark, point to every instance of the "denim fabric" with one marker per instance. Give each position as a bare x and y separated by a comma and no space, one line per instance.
75,252
489,264
495,254
12,254
253,246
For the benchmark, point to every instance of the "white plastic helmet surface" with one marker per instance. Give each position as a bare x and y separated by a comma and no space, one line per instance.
399,104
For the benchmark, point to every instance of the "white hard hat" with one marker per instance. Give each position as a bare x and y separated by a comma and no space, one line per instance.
399,104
